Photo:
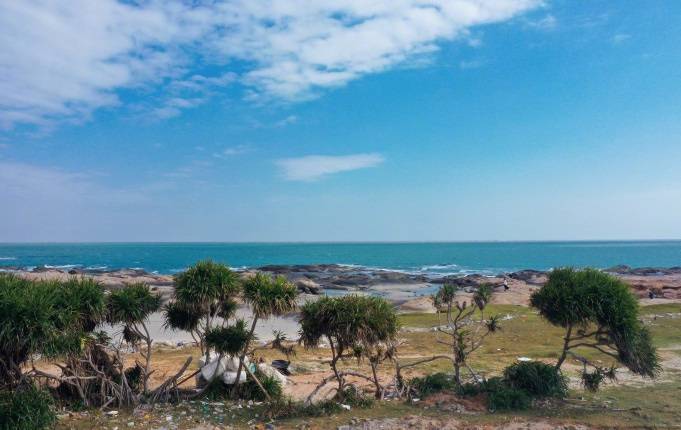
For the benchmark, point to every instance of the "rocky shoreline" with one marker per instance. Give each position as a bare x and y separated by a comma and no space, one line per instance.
315,279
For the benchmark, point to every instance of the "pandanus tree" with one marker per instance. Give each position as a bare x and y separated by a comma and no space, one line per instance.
267,297
598,312
465,326
131,306
203,299
352,325
43,317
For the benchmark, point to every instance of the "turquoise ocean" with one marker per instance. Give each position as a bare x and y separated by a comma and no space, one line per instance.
437,258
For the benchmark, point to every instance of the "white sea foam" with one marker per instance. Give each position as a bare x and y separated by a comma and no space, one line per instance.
7,258
62,266
439,267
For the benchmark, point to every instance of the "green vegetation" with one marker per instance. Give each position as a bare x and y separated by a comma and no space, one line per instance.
267,297
203,298
465,334
26,408
597,311
433,383
536,379
48,318
131,306
355,326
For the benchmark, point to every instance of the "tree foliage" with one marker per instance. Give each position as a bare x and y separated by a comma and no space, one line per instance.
269,296
202,300
464,329
206,284
354,326
598,311
44,317
132,304
229,340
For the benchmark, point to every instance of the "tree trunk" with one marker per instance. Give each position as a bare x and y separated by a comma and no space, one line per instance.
334,360
242,357
379,390
566,347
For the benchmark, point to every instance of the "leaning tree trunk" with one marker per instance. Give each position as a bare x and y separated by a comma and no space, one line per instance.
242,357
566,347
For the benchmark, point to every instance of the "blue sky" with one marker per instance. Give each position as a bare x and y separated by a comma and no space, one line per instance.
340,121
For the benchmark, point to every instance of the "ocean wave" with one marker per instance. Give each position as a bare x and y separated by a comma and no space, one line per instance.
438,267
7,258
62,266
97,267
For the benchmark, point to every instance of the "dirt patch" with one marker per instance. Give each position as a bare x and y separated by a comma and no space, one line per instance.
453,403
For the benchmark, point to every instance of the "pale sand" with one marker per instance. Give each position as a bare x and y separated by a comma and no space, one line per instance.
287,325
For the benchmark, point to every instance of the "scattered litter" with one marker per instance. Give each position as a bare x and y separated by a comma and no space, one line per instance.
524,359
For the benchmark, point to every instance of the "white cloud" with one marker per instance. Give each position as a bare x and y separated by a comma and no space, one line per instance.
471,64
291,119
313,167
620,38
232,151
548,22
189,93
59,61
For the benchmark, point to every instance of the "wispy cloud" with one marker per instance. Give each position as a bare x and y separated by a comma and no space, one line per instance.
189,93
291,119
547,22
314,167
620,38
232,151
472,64
60,61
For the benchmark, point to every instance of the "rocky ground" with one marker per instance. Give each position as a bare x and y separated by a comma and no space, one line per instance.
396,286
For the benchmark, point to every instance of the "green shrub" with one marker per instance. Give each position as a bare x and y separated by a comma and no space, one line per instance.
592,381
228,340
27,408
356,398
504,398
537,379
217,390
287,409
469,389
434,383
251,391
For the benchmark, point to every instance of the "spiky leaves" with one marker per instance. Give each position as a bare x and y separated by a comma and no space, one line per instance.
228,340
482,296
132,304
205,284
179,316
599,312
269,296
349,320
46,317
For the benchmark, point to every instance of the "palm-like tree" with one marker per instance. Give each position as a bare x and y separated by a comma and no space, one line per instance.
131,306
267,297
203,298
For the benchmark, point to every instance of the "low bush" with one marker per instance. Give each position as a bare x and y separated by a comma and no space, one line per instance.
352,396
592,381
288,409
434,383
26,408
503,398
537,379
251,391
